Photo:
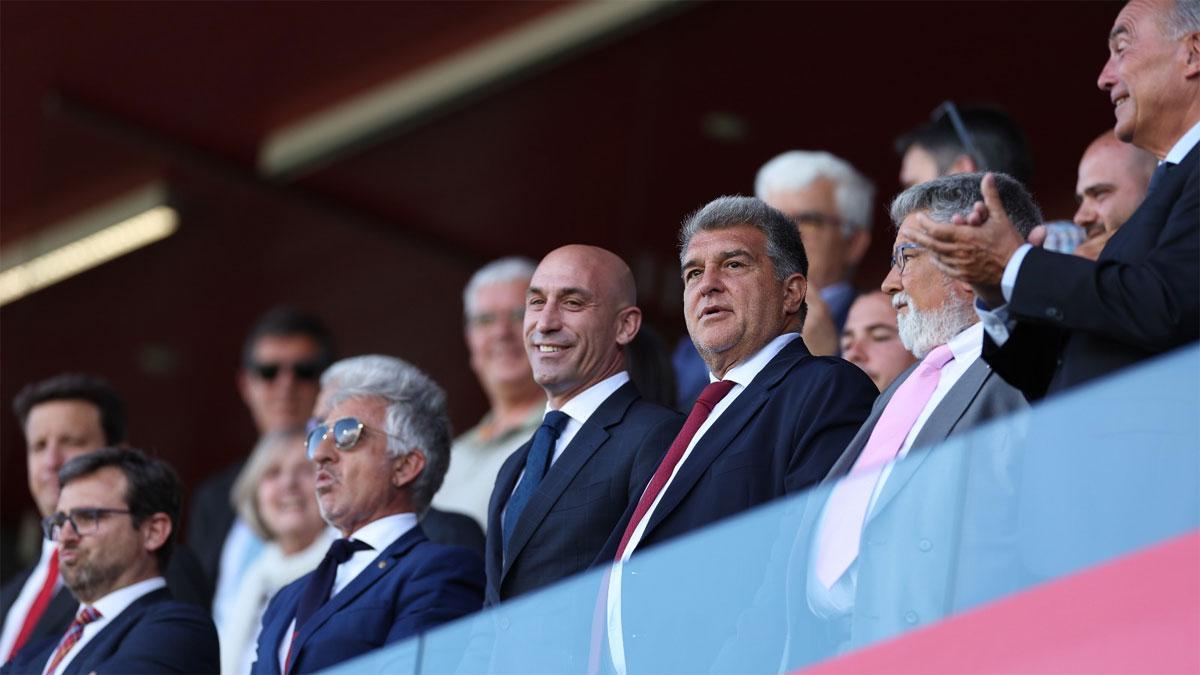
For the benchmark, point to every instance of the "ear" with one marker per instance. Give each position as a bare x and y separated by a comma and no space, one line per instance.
629,322
795,289
155,530
964,289
406,469
1191,47
963,164
856,246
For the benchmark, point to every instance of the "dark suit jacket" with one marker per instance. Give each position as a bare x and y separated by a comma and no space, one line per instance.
412,586
781,435
453,529
155,634
581,498
184,578
209,519
1078,319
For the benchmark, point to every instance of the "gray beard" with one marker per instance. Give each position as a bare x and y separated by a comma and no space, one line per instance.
921,331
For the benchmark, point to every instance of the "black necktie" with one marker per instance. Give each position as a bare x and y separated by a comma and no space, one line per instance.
536,463
319,586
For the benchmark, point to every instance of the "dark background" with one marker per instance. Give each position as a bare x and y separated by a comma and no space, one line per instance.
611,143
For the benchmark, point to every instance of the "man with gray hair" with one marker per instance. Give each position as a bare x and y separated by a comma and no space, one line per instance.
948,392
493,311
381,453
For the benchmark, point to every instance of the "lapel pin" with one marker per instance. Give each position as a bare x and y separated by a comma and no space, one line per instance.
382,564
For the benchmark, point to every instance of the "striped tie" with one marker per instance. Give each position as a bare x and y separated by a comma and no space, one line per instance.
74,632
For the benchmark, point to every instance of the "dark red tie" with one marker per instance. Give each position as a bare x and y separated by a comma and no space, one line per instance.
39,604
708,400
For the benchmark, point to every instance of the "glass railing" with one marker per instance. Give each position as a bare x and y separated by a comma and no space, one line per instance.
1088,476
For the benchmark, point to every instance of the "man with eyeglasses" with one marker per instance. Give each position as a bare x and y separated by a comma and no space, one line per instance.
282,359
115,528
63,417
493,309
1054,321
381,453
949,391
831,204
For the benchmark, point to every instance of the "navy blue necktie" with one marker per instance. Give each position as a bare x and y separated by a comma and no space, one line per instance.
1159,173
536,464
316,593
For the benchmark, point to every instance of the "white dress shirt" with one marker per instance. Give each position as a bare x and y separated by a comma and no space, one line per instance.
378,534
239,549
15,618
110,607
742,375
995,320
838,600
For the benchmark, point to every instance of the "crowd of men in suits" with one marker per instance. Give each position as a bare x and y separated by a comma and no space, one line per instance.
574,468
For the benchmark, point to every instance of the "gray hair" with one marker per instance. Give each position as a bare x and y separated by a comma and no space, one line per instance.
784,248
512,268
244,495
416,412
943,198
1182,18
797,169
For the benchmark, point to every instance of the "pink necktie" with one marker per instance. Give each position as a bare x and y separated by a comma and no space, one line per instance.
74,632
842,523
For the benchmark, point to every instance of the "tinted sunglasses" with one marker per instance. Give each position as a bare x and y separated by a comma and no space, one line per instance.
304,370
344,433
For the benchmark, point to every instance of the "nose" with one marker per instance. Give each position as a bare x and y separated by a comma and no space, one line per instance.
892,283
1086,216
67,532
325,453
854,353
549,318
1108,75
710,281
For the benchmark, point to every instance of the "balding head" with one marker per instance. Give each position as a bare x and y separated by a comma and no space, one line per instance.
1113,177
580,312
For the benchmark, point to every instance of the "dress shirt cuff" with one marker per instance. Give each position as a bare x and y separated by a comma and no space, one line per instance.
995,322
1010,271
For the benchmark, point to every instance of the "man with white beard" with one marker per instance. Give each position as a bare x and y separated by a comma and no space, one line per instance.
949,390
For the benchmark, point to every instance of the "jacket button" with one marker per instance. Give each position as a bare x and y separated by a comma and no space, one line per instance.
925,545
910,617
504,623
1054,313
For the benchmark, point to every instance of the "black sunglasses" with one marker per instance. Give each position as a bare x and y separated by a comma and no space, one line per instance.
304,370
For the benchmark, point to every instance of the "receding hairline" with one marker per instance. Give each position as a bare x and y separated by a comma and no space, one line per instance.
611,270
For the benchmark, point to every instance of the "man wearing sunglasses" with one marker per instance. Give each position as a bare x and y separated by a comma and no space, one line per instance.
282,359
961,140
115,528
381,453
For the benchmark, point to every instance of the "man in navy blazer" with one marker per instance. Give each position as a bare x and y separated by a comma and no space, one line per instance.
783,418
580,316
115,530
381,452
1054,321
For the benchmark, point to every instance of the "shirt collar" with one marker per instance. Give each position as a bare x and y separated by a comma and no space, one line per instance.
581,407
1184,145
968,344
114,603
745,372
379,534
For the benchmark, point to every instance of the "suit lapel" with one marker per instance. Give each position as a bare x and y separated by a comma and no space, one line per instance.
587,440
939,425
383,564
726,429
844,463
100,647
506,481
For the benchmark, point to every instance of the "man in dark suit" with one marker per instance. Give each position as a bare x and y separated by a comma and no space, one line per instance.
773,422
115,527
381,453
1054,321
558,497
63,417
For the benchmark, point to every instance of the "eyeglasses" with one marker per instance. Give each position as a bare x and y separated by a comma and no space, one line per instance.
304,370
345,431
948,109
84,521
898,257
514,317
